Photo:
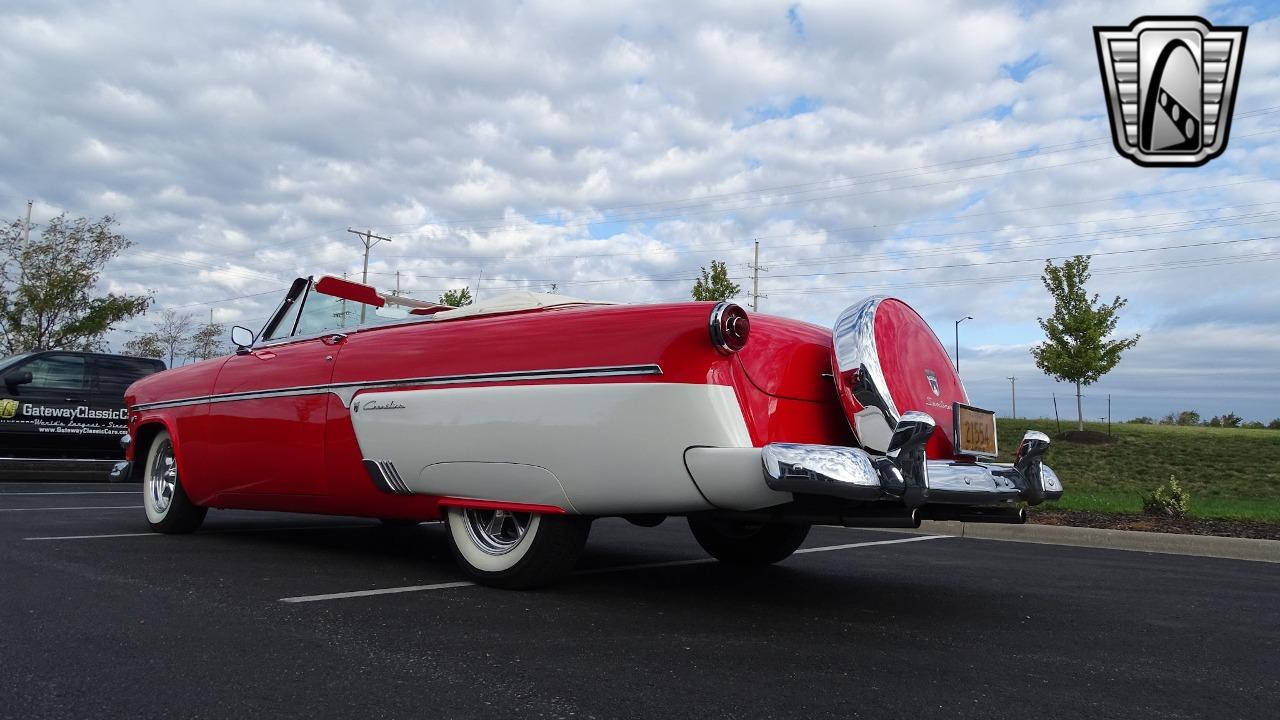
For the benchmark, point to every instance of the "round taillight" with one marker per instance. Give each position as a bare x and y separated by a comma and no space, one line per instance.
729,328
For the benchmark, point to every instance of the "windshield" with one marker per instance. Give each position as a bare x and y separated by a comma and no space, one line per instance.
13,360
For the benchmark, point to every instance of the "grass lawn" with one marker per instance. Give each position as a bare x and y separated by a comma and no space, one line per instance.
1230,473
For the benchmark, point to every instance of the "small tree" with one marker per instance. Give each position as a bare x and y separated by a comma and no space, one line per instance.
173,332
1230,420
715,285
145,345
1274,424
456,298
209,341
47,286
1079,348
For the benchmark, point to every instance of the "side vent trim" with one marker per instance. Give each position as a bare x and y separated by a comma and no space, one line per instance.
385,477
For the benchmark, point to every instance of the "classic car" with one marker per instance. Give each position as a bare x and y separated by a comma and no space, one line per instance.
519,420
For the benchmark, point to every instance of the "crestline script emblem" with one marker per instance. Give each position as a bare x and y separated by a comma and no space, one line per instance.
371,405
1170,84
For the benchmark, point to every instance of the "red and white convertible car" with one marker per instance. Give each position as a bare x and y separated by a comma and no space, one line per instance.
521,419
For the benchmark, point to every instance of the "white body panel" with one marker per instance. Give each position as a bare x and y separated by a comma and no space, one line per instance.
592,448
732,478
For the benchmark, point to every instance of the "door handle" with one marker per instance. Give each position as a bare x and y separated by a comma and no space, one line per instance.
333,339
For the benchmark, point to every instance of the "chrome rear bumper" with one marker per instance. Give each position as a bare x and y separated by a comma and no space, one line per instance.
905,475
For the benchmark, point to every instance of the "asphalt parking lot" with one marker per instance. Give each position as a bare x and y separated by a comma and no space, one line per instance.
263,615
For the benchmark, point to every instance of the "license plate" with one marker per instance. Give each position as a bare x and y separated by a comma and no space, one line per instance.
975,430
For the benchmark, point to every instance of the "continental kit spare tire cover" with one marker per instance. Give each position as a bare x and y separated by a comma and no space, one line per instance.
887,361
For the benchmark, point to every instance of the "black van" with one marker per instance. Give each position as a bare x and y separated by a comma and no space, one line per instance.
62,413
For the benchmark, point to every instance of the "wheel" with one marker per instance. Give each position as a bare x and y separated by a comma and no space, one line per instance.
515,550
166,503
747,543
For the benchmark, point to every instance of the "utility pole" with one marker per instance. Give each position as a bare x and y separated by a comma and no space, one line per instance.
369,240
475,296
1013,391
26,243
755,281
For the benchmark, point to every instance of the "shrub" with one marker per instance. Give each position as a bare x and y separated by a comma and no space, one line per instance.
1143,420
1254,425
1274,424
1170,500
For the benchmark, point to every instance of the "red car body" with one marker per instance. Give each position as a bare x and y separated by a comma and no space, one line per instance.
278,425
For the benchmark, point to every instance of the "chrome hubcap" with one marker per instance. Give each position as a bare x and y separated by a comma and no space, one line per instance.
163,480
496,532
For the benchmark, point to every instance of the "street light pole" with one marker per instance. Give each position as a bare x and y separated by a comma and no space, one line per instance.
966,317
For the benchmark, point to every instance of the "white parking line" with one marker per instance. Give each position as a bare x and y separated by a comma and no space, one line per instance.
82,507
88,537
596,571
206,532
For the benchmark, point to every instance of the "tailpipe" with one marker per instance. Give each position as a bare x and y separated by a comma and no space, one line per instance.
1009,516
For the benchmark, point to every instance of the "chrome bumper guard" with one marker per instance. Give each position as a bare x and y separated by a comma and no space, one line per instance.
120,472
904,474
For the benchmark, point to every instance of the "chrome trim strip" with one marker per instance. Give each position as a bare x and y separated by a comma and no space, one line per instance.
347,390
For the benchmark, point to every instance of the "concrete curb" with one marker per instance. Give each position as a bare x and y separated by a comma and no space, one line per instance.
1171,543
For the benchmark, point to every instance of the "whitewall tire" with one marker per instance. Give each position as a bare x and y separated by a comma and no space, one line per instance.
515,550
167,506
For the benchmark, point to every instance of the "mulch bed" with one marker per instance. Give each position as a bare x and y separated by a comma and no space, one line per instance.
1152,523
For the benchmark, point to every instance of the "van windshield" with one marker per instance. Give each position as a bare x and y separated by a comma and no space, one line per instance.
13,360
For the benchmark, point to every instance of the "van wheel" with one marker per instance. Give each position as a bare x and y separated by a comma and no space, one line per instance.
747,543
166,503
516,550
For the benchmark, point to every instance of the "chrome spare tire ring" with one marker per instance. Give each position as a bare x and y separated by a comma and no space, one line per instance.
162,481
495,532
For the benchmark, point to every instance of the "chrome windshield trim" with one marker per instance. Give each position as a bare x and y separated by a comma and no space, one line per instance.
347,390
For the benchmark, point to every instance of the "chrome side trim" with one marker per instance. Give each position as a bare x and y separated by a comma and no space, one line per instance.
347,391
385,477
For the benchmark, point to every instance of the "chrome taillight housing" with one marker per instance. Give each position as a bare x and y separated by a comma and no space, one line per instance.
729,328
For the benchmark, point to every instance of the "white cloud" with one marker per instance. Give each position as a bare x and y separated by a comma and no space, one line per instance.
613,148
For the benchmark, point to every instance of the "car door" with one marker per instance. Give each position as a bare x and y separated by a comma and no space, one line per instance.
268,407
41,408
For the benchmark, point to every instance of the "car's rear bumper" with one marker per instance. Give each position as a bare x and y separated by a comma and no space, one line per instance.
854,474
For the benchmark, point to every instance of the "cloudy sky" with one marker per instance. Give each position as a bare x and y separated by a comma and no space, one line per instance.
938,152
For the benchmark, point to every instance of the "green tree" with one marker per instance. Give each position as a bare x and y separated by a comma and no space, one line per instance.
1274,424
172,334
208,341
145,345
1079,347
48,286
715,285
456,298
